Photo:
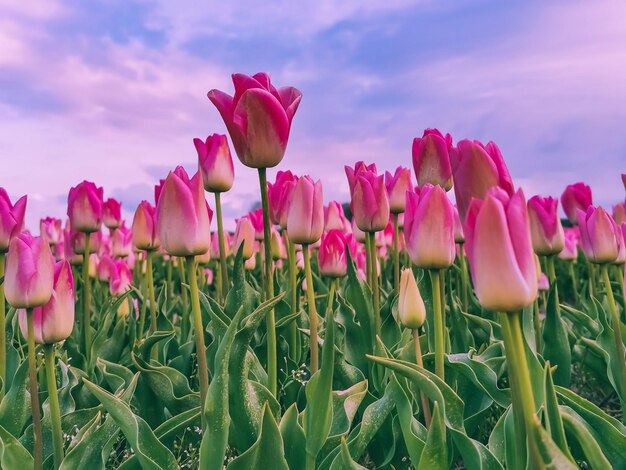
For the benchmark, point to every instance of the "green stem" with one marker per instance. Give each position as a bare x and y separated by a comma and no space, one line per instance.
203,371
170,290
150,281
220,234
592,278
368,260
419,362
464,277
86,300
293,288
572,275
373,270
184,318
310,462
55,410
269,286
34,393
438,323
537,325
396,255
619,344
310,293
3,329
331,297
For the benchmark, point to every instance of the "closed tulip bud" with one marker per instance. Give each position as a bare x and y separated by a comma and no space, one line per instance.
277,245
256,217
120,279
11,219
121,241
397,186
546,230
305,222
145,227
51,230
544,284
599,235
619,213
279,195
476,169
29,276
459,235
353,173
215,163
370,205
332,254
334,217
499,249
570,247
112,213
250,263
104,268
576,196
429,228
204,258
431,159
621,243
411,308
359,234
258,118
69,254
85,207
78,241
183,215
244,235
54,321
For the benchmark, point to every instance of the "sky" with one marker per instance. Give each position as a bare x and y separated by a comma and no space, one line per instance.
114,91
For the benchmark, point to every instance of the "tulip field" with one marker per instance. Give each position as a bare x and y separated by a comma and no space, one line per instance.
439,318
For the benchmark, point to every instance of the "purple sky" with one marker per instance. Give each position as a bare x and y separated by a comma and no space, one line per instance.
114,91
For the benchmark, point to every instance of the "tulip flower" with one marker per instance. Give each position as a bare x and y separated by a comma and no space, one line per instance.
51,230
397,185
305,222
332,254
215,163
157,191
183,215
11,218
599,235
476,169
85,207
214,249
370,204
353,173
459,235
411,308
258,118
500,252
145,227
619,213
244,234
104,268
429,228
204,258
279,195
278,246
121,277
112,213
256,217
576,196
621,243
358,234
334,217
121,241
546,230
431,159
570,247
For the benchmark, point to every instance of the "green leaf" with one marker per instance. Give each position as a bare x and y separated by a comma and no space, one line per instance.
12,453
556,348
15,409
579,430
554,424
294,440
413,432
345,462
435,453
548,454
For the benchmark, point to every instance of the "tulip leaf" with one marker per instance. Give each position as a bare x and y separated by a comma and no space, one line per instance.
546,453
435,453
578,429
294,440
556,348
12,453
346,462
554,424
15,409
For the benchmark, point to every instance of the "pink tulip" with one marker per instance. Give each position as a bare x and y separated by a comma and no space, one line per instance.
69,253
334,217
459,235
256,217
279,195
370,205
619,213
157,191
429,227
54,321
209,276
258,118
570,248
216,163
85,207
277,245
121,241
183,215
332,255
244,234
359,234
499,249
29,276
204,258
431,159
384,238
121,278
397,186
305,222
11,219
353,173
621,243
112,213
78,239
476,169
576,196
104,268
145,227
599,235
214,249
250,263
51,230
543,283
546,230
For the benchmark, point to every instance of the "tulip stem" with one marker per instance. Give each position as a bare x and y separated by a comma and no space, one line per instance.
150,280
269,286
373,263
396,255
438,322
203,371
464,277
220,235
310,293
619,344
3,329
293,288
34,393
185,322
86,300
55,410
368,260
419,362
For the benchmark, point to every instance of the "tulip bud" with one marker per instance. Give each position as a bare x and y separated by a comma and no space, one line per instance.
499,249
183,215
576,196
370,205
104,268
277,245
11,219
50,230
431,159
544,284
121,278
429,228
359,234
570,248
619,213
353,173
112,213
411,308
459,235
334,217
204,258
332,255
54,321
279,195
305,222
29,276
599,235
145,227
256,217
85,207
397,186
250,263
545,226
121,241
215,163
244,234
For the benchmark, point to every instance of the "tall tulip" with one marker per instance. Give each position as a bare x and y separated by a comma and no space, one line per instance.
121,241
112,213
576,196
305,222
332,254
279,195
85,207
546,230
244,235
334,217
145,227
431,159
353,173
397,186
599,235
51,230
